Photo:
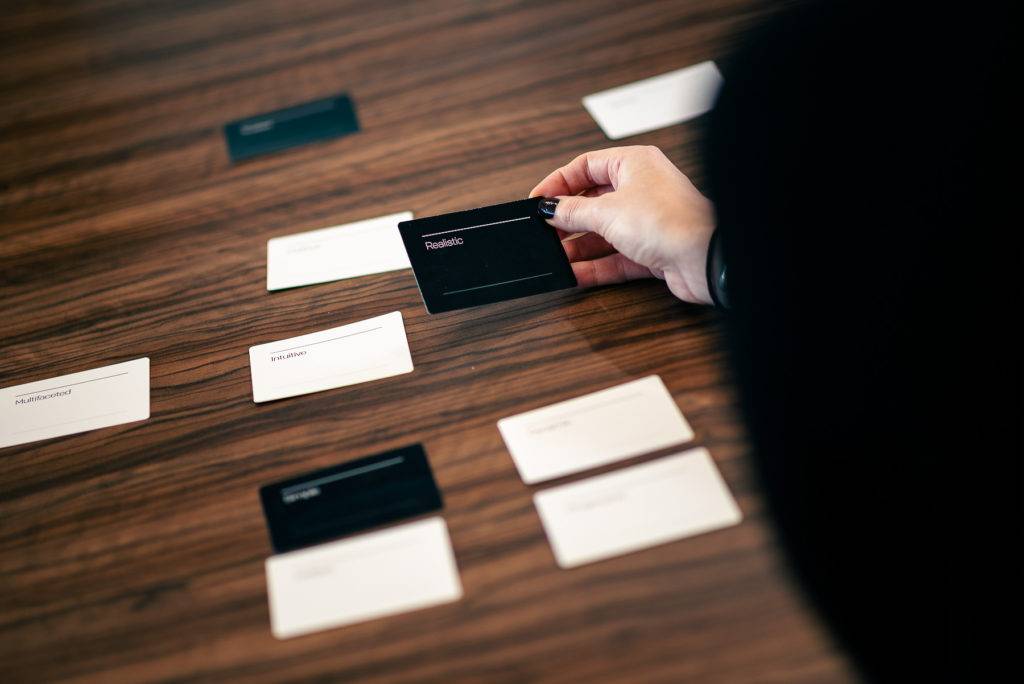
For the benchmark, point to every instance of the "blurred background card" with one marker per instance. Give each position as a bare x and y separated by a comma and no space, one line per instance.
655,102
290,127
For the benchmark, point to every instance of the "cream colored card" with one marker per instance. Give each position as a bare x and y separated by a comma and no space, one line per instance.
655,102
395,570
628,420
73,403
635,508
359,352
345,251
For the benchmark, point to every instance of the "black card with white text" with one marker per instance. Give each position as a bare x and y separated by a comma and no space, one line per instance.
485,255
351,497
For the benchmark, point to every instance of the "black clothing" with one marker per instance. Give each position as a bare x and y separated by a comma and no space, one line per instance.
874,278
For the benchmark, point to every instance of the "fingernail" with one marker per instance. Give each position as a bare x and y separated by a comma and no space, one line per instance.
547,207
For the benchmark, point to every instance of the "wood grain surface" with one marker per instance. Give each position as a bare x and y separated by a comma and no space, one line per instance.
135,553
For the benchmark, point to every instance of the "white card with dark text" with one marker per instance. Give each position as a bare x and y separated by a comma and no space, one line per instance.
620,422
656,102
345,251
394,570
635,508
359,352
78,402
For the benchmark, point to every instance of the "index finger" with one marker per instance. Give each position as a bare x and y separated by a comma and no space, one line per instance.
589,170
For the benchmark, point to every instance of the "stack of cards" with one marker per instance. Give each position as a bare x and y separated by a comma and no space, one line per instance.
73,403
632,508
318,583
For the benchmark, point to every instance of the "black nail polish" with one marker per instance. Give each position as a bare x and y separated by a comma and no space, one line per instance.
547,207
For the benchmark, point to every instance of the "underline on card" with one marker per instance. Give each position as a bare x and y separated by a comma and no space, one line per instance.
341,476
321,378
504,282
544,424
105,377
482,225
313,344
69,422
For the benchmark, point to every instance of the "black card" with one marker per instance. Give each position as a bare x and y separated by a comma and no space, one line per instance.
485,255
310,122
350,497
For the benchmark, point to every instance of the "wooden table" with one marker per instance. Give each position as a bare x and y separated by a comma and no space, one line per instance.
135,553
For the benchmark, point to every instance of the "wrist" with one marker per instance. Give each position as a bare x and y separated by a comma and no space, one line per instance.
686,271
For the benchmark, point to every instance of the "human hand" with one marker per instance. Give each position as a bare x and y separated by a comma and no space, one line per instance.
639,216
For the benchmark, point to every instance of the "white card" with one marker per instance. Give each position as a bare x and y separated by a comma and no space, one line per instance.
595,429
78,402
346,251
636,508
655,102
395,570
368,350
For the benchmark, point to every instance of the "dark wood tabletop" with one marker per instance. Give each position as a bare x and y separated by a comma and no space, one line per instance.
135,553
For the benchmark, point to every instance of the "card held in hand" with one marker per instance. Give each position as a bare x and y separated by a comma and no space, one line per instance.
485,255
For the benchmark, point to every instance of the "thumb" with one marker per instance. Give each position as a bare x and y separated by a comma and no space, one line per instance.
577,214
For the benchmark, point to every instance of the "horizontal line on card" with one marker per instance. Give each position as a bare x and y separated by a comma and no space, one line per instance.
105,377
504,282
482,225
341,476
312,344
